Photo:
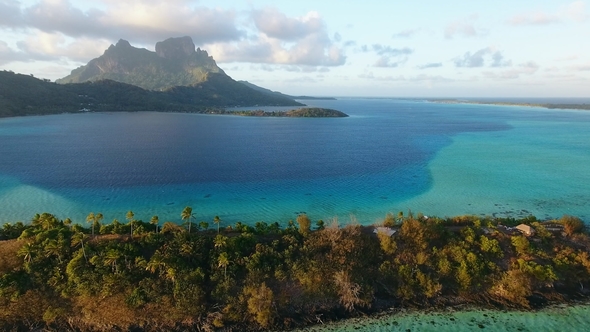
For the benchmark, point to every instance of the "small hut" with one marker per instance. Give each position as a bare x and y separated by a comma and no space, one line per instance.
384,230
525,229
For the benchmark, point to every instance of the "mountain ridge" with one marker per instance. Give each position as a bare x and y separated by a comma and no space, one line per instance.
174,63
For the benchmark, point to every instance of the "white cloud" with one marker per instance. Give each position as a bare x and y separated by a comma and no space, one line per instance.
431,65
430,79
575,11
528,68
8,55
53,46
277,25
300,41
262,36
405,33
580,67
465,27
478,59
139,21
389,56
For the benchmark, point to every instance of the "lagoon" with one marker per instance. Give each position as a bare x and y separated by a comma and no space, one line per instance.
390,155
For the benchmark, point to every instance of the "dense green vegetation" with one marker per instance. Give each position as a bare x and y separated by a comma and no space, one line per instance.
306,112
26,95
144,276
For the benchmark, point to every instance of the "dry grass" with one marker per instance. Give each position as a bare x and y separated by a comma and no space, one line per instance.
8,258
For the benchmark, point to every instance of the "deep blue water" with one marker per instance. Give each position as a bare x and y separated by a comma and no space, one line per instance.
244,168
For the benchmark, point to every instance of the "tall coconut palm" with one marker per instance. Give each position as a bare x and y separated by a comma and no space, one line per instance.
90,220
217,220
27,251
52,248
129,217
187,214
223,261
154,221
94,219
79,238
111,259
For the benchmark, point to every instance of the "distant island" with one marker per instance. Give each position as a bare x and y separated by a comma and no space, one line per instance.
305,112
145,276
503,103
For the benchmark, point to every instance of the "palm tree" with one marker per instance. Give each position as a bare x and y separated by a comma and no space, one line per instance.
217,220
154,221
129,217
94,219
223,261
53,249
111,259
27,251
79,238
220,241
90,220
46,220
187,214
156,263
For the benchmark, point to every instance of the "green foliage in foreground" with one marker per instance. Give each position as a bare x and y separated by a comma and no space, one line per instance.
141,276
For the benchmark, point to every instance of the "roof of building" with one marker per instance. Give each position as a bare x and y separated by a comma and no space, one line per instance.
525,229
384,230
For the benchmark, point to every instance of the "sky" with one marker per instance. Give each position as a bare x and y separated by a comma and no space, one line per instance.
422,48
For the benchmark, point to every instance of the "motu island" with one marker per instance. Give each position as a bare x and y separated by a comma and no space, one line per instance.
143,276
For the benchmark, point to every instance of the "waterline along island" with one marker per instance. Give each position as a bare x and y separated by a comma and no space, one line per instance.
147,276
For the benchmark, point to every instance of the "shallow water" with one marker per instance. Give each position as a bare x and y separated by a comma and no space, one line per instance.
389,155
559,318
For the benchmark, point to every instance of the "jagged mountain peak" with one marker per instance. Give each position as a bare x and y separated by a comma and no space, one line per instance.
175,48
175,63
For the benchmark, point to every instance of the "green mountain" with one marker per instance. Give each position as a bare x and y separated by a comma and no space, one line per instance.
26,95
174,63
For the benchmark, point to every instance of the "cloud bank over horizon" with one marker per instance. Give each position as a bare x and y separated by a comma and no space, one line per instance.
309,47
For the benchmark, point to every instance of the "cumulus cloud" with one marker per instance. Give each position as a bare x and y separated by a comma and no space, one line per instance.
139,21
10,14
385,62
298,41
431,65
389,51
8,55
402,78
313,50
260,36
465,27
278,25
46,46
389,56
576,11
581,67
527,68
405,33
478,59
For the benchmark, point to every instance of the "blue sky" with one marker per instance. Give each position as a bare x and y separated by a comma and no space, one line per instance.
339,48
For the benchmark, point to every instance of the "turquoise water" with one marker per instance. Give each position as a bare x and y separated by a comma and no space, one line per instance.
389,155
561,318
